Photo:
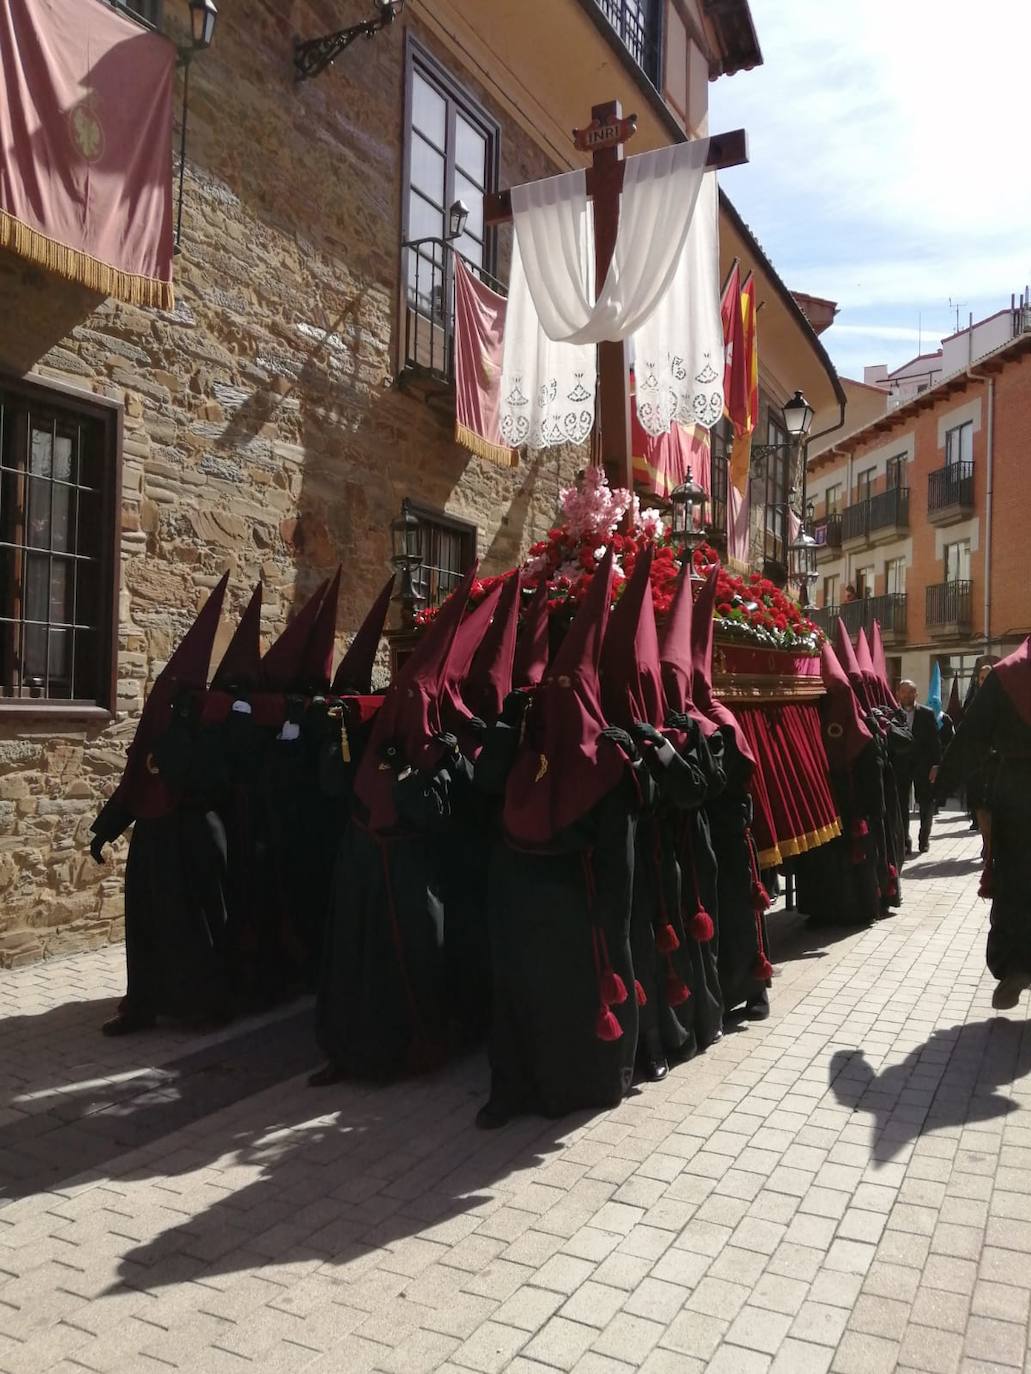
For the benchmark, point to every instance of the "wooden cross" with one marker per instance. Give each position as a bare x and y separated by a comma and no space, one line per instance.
604,138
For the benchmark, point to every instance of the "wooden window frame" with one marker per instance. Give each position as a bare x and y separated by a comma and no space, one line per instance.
453,524
895,471
59,396
960,429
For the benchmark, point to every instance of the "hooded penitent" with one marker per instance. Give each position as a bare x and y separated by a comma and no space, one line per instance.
142,791
563,769
880,663
283,663
455,715
531,655
677,656
238,673
702,635
409,720
852,669
1013,674
489,679
354,675
864,658
844,733
317,660
631,671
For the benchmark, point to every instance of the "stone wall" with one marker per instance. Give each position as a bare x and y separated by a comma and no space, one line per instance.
264,430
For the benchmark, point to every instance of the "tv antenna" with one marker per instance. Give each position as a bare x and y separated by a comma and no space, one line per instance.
957,306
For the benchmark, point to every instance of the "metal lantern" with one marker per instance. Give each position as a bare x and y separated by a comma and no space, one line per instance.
457,218
802,566
690,509
203,17
798,416
406,544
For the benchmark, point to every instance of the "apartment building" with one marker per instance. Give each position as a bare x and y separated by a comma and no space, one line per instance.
921,520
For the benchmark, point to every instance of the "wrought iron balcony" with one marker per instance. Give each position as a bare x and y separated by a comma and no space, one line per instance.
824,617
827,533
949,608
950,493
878,517
638,25
889,611
429,318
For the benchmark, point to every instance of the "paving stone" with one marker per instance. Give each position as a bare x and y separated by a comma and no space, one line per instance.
927,1348
860,1354
799,1357
758,1329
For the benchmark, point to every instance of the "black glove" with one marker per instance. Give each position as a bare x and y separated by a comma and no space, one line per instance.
476,727
390,754
514,709
96,849
617,736
448,741
647,734
680,720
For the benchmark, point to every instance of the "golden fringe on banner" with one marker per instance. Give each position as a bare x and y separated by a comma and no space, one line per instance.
483,448
73,265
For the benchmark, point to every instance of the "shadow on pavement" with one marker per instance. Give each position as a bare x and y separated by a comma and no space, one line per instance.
940,868
954,1079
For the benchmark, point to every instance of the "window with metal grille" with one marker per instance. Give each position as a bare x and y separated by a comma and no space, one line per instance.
639,25
58,503
451,154
718,481
446,548
147,10
778,485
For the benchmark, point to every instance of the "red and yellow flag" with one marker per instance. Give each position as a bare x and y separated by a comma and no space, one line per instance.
744,397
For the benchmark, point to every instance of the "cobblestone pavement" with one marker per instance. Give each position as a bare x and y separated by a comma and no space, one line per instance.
845,1187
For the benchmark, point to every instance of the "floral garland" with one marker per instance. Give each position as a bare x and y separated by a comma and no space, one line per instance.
748,610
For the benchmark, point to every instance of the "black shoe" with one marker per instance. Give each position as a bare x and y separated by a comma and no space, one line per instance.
491,1117
758,1009
924,846
322,1078
655,1070
128,1023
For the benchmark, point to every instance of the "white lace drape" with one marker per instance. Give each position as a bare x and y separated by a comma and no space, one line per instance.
662,290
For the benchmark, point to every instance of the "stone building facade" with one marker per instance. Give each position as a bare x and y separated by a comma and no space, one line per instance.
261,427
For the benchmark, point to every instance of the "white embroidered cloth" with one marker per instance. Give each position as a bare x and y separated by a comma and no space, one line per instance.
658,289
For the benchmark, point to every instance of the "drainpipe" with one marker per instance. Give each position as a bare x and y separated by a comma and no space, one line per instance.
975,376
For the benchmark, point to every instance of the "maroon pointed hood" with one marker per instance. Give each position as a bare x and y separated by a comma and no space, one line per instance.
702,634
880,663
844,733
454,713
563,769
677,656
631,672
489,679
1014,675
284,661
354,675
240,667
410,717
317,664
532,646
850,664
865,660
142,790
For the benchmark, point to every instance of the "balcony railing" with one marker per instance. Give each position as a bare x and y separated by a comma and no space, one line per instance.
949,606
637,22
950,490
889,611
888,510
827,532
429,326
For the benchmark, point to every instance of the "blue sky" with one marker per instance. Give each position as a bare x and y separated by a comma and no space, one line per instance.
888,170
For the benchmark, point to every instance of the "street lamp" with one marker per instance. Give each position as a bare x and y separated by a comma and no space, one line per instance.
689,502
798,416
457,218
406,545
802,558
203,18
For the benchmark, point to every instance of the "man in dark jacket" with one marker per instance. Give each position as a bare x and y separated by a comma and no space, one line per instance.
916,774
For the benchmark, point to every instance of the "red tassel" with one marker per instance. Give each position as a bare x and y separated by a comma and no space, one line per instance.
702,928
640,994
860,828
892,871
763,969
607,1027
760,896
676,992
666,939
613,989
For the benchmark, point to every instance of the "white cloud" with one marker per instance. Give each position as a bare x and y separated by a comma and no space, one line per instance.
887,154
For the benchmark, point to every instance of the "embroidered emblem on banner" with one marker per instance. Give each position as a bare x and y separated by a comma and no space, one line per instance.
86,130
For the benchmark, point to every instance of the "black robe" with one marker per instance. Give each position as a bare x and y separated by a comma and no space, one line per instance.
175,881
543,904
382,1007
464,864
840,883
742,922
675,783
993,723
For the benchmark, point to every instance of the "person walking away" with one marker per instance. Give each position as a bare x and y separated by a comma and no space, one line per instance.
918,777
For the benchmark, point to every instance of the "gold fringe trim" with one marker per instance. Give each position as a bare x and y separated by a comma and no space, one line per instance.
494,453
73,265
799,844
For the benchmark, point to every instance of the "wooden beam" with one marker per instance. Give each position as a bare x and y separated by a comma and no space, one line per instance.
725,150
